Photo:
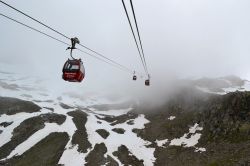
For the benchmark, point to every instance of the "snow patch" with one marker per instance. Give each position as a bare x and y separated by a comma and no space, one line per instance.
117,112
171,118
195,128
245,87
41,134
45,95
17,119
136,145
187,142
200,150
160,143
191,141
72,157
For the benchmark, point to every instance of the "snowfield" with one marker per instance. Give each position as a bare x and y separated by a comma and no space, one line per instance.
191,141
22,87
184,140
245,87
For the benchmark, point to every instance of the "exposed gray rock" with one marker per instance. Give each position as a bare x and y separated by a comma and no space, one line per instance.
114,120
96,157
80,137
103,133
27,128
11,106
26,95
126,157
119,130
46,101
48,108
5,124
46,152
65,106
13,87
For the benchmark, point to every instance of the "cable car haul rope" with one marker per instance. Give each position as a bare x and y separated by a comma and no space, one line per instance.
73,69
140,51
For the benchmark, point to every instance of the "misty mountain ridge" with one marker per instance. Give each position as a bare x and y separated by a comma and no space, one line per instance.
204,122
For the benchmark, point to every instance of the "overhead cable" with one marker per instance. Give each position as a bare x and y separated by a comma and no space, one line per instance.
131,3
43,33
36,20
125,9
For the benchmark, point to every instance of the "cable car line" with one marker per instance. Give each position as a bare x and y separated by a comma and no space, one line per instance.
34,19
43,33
65,36
106,58
125,9
34,29
147,81
131,3
129,71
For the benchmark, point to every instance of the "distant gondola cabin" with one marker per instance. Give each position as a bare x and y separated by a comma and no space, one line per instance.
134,77
147,82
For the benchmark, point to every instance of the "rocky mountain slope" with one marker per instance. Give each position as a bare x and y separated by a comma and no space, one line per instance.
206,122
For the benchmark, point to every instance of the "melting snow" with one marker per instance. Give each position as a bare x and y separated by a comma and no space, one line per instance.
184,140
136,145
6,135
117,112
160,143
188,142
245,87
195,128
171,118
71,157
200,150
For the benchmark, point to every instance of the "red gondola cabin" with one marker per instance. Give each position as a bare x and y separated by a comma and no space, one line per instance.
73,70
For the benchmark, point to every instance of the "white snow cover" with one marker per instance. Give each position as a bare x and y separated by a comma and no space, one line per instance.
135,144
72,157
200,150
160,143
188,142
184,140
117,112
39,135
44,95
171,118
245,87
195,128
40,95
6,135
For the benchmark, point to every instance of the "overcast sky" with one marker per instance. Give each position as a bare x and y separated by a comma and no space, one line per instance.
183,38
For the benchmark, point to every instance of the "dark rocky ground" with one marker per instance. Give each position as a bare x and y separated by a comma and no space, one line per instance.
28,128
103,133
11,106
126,158
114,120
96,157
216,84
46,152
80,137
225,135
